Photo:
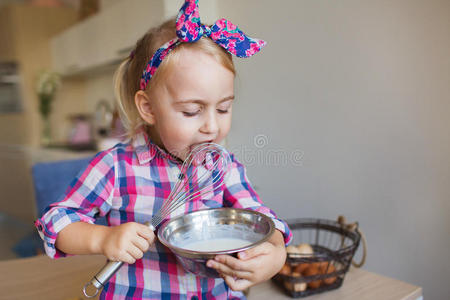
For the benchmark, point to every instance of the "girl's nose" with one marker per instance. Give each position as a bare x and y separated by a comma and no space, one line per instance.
210,125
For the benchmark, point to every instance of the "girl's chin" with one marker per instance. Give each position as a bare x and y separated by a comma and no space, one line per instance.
181,155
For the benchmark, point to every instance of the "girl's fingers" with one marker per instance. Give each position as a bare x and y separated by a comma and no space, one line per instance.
262,249
135,252
225,269
146,233
235,263
141,243
237,284
127,258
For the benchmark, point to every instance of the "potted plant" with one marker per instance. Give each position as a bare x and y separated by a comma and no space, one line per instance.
47,84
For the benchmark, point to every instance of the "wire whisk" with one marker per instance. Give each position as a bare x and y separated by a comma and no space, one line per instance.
202,173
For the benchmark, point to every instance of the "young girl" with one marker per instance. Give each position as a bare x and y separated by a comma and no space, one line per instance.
175,91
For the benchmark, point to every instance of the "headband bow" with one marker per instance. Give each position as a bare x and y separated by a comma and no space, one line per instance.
190,29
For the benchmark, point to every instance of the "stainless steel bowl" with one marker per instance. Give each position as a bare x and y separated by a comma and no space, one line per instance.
210,224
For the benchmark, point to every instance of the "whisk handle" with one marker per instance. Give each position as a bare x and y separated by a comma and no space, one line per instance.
108,270
99,280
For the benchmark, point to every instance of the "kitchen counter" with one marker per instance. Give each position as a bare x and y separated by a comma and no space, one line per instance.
358,284
40,277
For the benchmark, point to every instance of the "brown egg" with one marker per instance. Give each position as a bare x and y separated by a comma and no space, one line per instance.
288,285
296,274
312,270
285,270
327,270
301,268
321,265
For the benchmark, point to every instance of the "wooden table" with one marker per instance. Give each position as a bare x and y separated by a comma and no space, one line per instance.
42,278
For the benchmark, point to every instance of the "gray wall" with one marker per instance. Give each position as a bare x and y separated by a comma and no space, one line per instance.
360,91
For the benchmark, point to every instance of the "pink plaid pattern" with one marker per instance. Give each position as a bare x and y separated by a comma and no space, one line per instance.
129,183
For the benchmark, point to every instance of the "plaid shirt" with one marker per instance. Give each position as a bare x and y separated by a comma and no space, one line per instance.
128,183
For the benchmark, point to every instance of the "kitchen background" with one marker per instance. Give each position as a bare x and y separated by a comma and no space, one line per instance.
344,112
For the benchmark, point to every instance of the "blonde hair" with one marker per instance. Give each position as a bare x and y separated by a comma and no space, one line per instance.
127,76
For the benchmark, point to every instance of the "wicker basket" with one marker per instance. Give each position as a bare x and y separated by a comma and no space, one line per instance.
334,245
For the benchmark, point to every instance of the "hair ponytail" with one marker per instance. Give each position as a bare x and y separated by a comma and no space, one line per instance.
128,112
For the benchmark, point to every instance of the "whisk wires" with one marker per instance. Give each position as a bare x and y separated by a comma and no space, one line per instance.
213,161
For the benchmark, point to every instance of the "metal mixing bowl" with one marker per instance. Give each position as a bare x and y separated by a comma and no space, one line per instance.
210,224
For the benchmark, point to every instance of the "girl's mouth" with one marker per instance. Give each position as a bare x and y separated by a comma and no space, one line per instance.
192,147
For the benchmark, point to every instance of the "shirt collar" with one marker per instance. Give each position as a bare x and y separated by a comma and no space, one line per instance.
146,149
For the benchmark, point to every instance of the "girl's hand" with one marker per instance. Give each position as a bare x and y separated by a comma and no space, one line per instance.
252,266
126,242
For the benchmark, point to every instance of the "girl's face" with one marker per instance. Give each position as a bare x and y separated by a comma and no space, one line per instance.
192,105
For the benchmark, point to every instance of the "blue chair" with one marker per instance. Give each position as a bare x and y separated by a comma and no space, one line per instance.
50,180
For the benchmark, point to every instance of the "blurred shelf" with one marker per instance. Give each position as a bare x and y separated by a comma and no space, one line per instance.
73,147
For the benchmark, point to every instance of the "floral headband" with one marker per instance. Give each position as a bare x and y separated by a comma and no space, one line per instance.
190,30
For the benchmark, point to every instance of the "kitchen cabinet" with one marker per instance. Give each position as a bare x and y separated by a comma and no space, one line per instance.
105,38
65,56
108,37
7,45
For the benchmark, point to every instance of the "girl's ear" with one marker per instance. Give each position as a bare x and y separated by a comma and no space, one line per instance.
145,107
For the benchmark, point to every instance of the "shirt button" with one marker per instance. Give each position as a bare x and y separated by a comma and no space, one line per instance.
194,298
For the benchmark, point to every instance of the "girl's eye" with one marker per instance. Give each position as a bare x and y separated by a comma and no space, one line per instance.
224,107
190,114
